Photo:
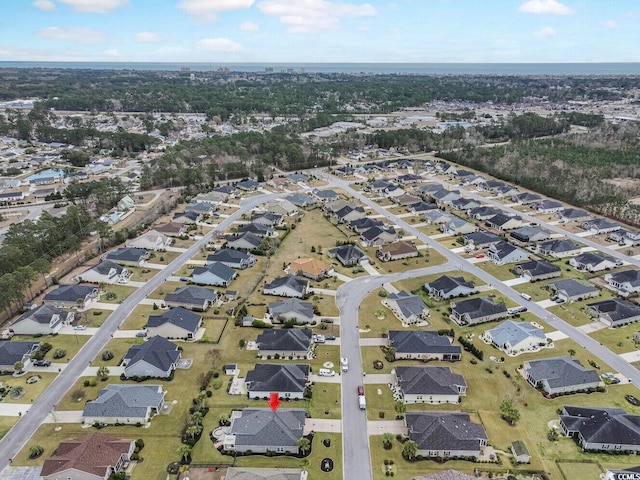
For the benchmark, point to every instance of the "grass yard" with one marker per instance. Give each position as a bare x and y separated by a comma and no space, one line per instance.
325,401
166,287
139,316
31,391
119,346
142,274
571,313
427,258
501,272
618,340
93,317
6,423
430,230
70,343
164,258
379,399
376,316
121,293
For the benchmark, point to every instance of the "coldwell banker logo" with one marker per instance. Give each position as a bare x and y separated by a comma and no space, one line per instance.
627,476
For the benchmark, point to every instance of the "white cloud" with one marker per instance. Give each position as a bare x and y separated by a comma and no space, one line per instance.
112,54
610,25
545,32
314,15
95,6
219,44
249,27
548,7
80,35
35,55
208,10
45,5
146,37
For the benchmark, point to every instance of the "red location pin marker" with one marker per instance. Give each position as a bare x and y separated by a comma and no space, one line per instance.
274,401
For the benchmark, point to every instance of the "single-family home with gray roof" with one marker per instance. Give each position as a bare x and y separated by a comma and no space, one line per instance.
151,240
502,222
457,226
573,290
504,191
42,320
244,241
536,270
474,311
202,208
248,185
409,308
614,312
479,240
257,229
348,214
430,385
515,338
298,177
212,198
290,381
602,429
291,309
445,197
193,298
130,257
186,218
287,286
324,195
422,345
558,248
125,404
408,178
446,287
601,225
625,237
464,204
216,274
502,253
261,430
363,224
348,255
104,272
397,251
573,215
177,323
71,296
378,237
172,229
445,434
406,199
156,358
300,200
436,217
283,207
267,219
14,352
420,208
525,198
288,342
530,233
484,212
625,282
560,375
593,262
549,206
232,258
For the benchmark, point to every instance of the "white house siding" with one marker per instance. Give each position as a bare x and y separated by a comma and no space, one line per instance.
619,323
73,474
168,330
283,292
449,453
300,319
283,395
419,356
114,420
433,399
144,369
611,447
283,354
29,327
568,388
263,449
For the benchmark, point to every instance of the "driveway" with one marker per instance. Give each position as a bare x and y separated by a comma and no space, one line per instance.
64,416
93,371
314,377
380,378
14,409
378,427
21,473
322,425
373,342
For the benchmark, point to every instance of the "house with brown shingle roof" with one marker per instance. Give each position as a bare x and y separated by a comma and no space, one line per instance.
397,251
90,457
312,268
172,229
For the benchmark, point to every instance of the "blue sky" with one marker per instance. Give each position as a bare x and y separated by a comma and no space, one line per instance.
309,31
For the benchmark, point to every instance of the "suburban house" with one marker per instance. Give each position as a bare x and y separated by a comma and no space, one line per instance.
484,212
300,200
479,240
282,207
278,182
216,274
232,258
530,233
464,204
291,309
422,345
436,217
127,404
42,320
187,218
457,226
573,290
625,237
363,224
288,286
378,236
502,253
419,208
536,270
104,272
614,312
560,248
573,215
94,456
406,199
14,352
172,229
178,323
290,381
203,208
409,308
502,222
445,197
298,177
289,342
515,338
549,206
525,198
348,255
324,195
213,198
477,310
257,229
261,430
267,219
601,225
602,429
193,298
445,434
244,241
348,213
560,375
625,282
593,262
151,240
248,185
397,251
156,358
312,268
430,385
71,296
130,257
446,287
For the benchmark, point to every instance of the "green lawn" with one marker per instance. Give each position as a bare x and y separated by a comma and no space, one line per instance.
6,423
325,401
164,258
501,272
379,399
31,391
139,317
93,317
70,343
618,340
121,292
142,274
119,346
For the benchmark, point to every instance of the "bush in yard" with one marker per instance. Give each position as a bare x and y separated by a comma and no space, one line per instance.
35,451
59,353
107,355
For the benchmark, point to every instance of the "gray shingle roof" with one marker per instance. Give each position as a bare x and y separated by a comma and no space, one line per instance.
157,351
12,352
560,372
289,339
69,293
228,255
573,287
429,380
178,316
347,253
515,332
408,303
479,307
421,342
266,377
218,269
444,431
117,400
191,295
42,315
603,425
558,246
248,237
295,283
291,305
616,308
538,267
106,266
261,426
446,283
627,276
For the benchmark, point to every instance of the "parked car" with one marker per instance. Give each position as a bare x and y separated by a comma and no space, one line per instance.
80,327
632,400
480,255
360,390
184,279
329,337
41,363
143,333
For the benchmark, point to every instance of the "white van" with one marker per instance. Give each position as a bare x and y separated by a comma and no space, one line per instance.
344,363
525,296
325,372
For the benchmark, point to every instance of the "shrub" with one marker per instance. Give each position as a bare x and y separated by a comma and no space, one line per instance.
35,451
59,353
107,355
